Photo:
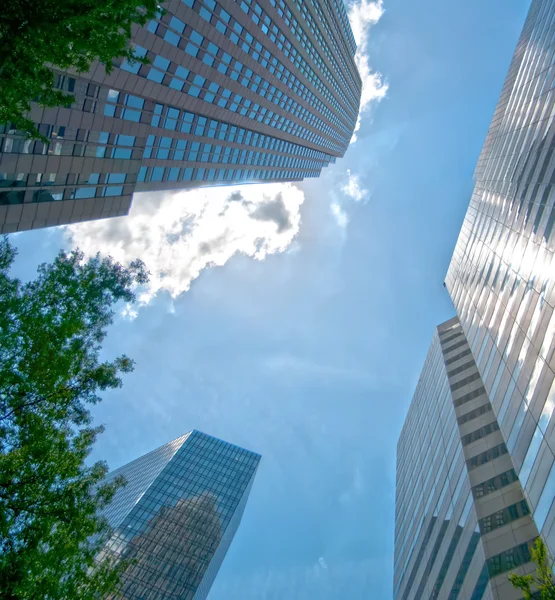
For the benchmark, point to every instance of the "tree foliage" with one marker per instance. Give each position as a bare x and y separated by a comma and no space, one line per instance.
541,586
36,35
51,333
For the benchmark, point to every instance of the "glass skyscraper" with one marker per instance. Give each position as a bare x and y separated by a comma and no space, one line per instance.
237,91
462,521
501,437
176,517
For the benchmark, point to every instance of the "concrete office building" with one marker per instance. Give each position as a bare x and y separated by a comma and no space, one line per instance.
241,91
462,521
178,514
501,280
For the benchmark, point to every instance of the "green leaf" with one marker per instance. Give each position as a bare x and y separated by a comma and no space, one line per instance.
51,333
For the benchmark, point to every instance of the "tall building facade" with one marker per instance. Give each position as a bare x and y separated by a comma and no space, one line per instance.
462,521
176,517
502,362
238,91
502,275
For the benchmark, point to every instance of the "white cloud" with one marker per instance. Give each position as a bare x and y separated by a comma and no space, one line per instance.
353,189
362,16
179,234
339,214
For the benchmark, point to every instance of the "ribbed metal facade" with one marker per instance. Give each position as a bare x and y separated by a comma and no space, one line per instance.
491,394
502,275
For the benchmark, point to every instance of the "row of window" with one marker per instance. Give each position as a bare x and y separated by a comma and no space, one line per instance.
504,516
159,174
461,368
222,154
469,396
486,456
509,559
18,197
457,345
473,414
495,483
51,179
452,337
478,434
460,384
455,358
64,148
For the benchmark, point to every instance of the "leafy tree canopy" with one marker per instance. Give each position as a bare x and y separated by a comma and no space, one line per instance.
36,35
541,586
51,333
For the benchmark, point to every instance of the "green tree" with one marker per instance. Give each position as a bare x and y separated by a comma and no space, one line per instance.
541,585
38,35
51,334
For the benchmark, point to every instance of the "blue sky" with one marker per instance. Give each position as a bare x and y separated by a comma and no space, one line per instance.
306,343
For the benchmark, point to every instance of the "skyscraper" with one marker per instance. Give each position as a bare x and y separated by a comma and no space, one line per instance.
491,387
462,521
242,91
178,514
502,275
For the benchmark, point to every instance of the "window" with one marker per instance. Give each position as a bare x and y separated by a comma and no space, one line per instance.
134,101
181,72
116,178
172,37
486,456
546,500
192,50
177,24
530,457
134,67
508,560
177,84
157,174
161,63
113,191
124,153
131,115
85,192
142,174
504,516
479,433
155,75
